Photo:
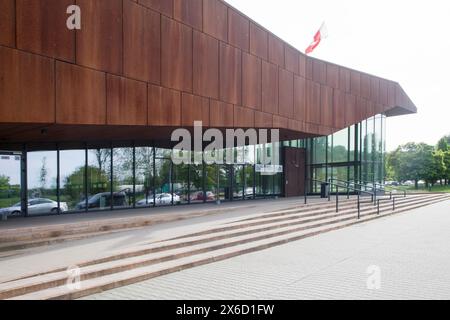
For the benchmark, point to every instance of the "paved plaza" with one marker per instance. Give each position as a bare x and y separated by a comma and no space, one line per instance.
406,256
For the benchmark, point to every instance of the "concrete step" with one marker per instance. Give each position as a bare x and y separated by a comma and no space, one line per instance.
104,225
23,238
106,282
24,286
294,215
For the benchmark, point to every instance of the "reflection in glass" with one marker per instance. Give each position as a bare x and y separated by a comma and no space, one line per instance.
163,183
340,146
319,174
225,190
196,177
319,150
239,191
72,184
211,185
123,185
10,183
144,176
99,181
180,183
249,181
42,185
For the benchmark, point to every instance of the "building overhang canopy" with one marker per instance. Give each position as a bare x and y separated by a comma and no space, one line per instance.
139,69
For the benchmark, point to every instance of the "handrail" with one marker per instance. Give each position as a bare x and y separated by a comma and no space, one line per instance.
358,192
384,187
374,189
337,193
358,184
347,187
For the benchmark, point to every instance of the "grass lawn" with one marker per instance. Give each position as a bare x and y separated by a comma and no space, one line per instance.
5,203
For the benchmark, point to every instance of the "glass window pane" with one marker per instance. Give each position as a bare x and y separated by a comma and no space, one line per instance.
268,184
249,181
225,190
340,146
42,176
123,178
144,176
259,184
163,183
196,175
238,183
72,175
99,180
181,183
319,150
352,134
10,183
211,182
278,184
319,174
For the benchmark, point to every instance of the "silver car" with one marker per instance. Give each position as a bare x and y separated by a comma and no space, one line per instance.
162,199
37,206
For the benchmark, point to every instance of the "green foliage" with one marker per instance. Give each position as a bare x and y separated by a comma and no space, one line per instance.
447,164
74,184
444,144
4,182
419,161
413,161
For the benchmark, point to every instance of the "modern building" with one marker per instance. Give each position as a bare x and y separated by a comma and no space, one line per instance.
86,115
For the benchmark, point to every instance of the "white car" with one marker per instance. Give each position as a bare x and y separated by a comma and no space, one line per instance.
162,199
37,206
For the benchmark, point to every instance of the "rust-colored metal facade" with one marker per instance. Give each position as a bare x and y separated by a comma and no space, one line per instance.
139,68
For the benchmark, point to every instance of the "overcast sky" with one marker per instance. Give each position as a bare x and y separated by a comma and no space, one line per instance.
401,40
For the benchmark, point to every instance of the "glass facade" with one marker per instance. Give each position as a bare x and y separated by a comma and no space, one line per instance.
136,174
353,154
109,176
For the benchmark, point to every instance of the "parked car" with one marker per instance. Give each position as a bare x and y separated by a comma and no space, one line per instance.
248,193
37,206
162,199
200,196
103,200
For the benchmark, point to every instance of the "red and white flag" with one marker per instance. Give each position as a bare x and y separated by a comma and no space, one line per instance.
320,35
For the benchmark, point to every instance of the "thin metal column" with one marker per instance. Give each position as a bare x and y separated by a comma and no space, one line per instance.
111,177
86,166
58,177
24,181
134,175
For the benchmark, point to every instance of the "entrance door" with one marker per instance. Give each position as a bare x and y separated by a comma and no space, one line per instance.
294,164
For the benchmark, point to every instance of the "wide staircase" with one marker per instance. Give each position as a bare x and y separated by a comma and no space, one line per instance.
218,242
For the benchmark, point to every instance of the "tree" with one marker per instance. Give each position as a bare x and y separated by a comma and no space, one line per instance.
434,167
447,167
74,184
413,161
444,143
43,173
389,169
444,146
103,158
4,182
